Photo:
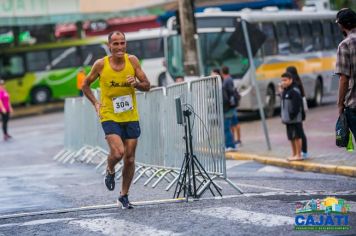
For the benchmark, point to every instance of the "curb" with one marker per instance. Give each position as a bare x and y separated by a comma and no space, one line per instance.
37,109
298,165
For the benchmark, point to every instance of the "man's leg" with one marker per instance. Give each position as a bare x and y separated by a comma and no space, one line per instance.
129,165
304,143
229,142
293,147
5,119
117,150
298,147
116,147
238,132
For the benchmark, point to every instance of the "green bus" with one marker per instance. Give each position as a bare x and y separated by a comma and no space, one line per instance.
42,73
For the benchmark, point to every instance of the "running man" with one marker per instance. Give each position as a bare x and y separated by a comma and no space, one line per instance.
119,75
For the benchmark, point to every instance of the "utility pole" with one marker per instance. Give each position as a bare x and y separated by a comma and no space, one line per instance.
187,28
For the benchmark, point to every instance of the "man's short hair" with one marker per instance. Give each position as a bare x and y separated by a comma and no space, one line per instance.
347,18
287,75
115,32
225,70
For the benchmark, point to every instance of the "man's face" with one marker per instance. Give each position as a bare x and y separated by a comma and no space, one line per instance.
117,45
342,30
286,82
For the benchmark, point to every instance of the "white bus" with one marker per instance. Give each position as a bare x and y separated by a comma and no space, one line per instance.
306,40
148,46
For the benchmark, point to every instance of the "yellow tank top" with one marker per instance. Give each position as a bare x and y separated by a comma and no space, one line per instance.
118,99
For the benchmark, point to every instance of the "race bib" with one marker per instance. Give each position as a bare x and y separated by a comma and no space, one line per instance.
122,103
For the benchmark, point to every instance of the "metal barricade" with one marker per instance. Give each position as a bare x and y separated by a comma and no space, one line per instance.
161,147
206,100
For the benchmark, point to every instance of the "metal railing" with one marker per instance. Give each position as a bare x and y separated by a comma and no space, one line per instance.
161,147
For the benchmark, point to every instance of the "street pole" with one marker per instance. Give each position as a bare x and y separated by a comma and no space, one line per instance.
254,83
186,16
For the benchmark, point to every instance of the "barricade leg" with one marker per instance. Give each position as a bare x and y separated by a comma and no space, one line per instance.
160,178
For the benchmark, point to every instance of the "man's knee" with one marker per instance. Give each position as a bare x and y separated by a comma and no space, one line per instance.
117,153
129,160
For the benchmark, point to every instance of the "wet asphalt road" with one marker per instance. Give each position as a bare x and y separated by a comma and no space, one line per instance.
31,181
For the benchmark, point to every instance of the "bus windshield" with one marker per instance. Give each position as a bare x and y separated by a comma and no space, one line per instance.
215,53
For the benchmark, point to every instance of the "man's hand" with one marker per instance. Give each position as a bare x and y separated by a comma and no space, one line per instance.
3,110
97,109
132,80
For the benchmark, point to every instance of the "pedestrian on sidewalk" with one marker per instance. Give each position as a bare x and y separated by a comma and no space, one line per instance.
120,74
179,79
294,73
235,125
346,67
292,114
216,71
5,109
229,106
80,79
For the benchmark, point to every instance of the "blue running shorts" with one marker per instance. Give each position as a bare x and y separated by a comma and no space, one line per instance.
126,130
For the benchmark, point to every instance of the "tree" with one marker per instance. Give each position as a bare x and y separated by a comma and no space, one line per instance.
338,4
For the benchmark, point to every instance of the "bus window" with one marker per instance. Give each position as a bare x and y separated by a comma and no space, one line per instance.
216,22
64,58
307,37
91,53
338,37
216,53
11,66
37,61
270,45
175,56
152,48
327,35
135,48
317,35
295,38
283,40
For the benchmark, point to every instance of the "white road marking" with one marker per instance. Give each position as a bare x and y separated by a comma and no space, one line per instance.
233,163
111,226
261,187
246,217
271,169
36,222
45,221
94,207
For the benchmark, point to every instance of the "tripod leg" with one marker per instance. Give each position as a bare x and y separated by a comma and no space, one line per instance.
182,174
201,168
176,194
193,174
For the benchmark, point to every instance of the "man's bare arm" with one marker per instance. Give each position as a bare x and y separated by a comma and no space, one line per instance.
343,86
89,79
143,84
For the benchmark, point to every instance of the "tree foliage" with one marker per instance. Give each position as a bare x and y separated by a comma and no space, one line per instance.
338,4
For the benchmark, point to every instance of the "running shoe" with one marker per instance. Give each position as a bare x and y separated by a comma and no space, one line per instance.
110,180
124,201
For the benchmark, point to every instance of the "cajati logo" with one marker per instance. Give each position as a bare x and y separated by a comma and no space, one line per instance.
322,214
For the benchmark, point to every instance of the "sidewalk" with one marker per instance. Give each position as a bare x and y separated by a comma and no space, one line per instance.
325,156
22,111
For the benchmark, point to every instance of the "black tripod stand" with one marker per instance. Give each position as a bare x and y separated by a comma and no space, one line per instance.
192,169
